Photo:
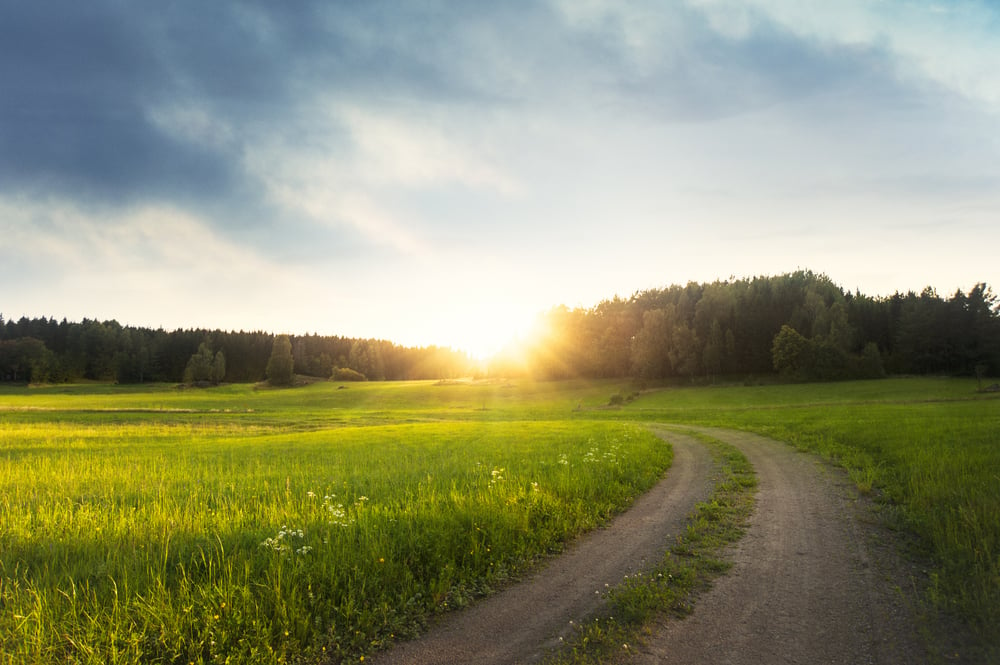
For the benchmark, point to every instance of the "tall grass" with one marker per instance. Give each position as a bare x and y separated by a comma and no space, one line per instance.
131,536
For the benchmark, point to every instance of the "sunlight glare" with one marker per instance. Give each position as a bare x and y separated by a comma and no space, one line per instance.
489,330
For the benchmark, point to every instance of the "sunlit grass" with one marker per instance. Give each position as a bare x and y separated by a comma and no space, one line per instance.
241,535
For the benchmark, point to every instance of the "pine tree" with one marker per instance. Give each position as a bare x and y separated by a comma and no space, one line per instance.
281,364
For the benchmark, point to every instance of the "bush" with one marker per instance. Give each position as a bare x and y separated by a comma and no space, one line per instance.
347,374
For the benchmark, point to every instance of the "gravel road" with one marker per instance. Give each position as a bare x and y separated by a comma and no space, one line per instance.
809,583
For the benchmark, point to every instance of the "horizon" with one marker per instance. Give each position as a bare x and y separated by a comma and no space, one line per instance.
506,345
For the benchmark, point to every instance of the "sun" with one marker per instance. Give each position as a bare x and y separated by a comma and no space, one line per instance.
485,332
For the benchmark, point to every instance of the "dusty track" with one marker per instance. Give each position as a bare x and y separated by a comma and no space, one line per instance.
520,623
805,586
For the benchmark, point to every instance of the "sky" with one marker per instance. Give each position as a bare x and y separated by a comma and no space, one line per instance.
441,172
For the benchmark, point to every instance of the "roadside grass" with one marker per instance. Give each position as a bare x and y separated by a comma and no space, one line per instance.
926,450
172,536
687,569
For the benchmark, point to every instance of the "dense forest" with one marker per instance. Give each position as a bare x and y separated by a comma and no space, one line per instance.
799,325
39,350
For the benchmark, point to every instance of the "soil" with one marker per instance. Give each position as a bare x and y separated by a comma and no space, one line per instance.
811,581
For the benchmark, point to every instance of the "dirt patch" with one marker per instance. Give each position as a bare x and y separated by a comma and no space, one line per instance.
520,623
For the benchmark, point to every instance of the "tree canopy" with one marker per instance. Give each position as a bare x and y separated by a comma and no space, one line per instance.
799,324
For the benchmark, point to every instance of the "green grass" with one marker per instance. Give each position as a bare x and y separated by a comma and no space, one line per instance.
160,527
151,524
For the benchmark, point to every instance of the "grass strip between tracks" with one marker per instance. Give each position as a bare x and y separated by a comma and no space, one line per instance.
686,570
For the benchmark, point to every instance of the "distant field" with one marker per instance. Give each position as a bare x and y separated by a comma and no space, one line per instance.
162,525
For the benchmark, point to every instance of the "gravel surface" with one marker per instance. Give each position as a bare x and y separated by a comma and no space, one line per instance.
807,584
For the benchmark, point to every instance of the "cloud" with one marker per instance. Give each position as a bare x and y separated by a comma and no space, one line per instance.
952,44
150,264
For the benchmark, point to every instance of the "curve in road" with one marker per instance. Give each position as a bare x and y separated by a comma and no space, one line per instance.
805,586
521,622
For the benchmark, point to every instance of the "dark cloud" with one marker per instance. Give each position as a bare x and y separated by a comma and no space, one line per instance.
82,84
685,69
89,89
78,80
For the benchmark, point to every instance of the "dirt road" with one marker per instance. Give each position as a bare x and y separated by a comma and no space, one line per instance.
804,587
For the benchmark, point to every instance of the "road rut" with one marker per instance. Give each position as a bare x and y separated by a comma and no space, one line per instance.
805,586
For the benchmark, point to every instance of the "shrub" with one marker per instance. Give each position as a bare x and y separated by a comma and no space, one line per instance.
347,374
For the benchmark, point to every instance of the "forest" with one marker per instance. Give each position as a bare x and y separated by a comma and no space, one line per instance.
800,326
46,350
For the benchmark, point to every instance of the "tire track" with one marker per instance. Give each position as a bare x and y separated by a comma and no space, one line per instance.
803,588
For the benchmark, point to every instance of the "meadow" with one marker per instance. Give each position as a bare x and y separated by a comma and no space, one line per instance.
162,525
235,525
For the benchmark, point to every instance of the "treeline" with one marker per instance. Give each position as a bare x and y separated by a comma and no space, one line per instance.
800,325
46,350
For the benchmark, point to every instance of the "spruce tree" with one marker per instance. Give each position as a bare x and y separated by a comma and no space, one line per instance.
280,366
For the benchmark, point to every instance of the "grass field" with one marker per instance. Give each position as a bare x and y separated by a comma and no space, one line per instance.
162,525
274,526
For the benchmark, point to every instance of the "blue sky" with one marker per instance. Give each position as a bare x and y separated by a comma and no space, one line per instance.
439,172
